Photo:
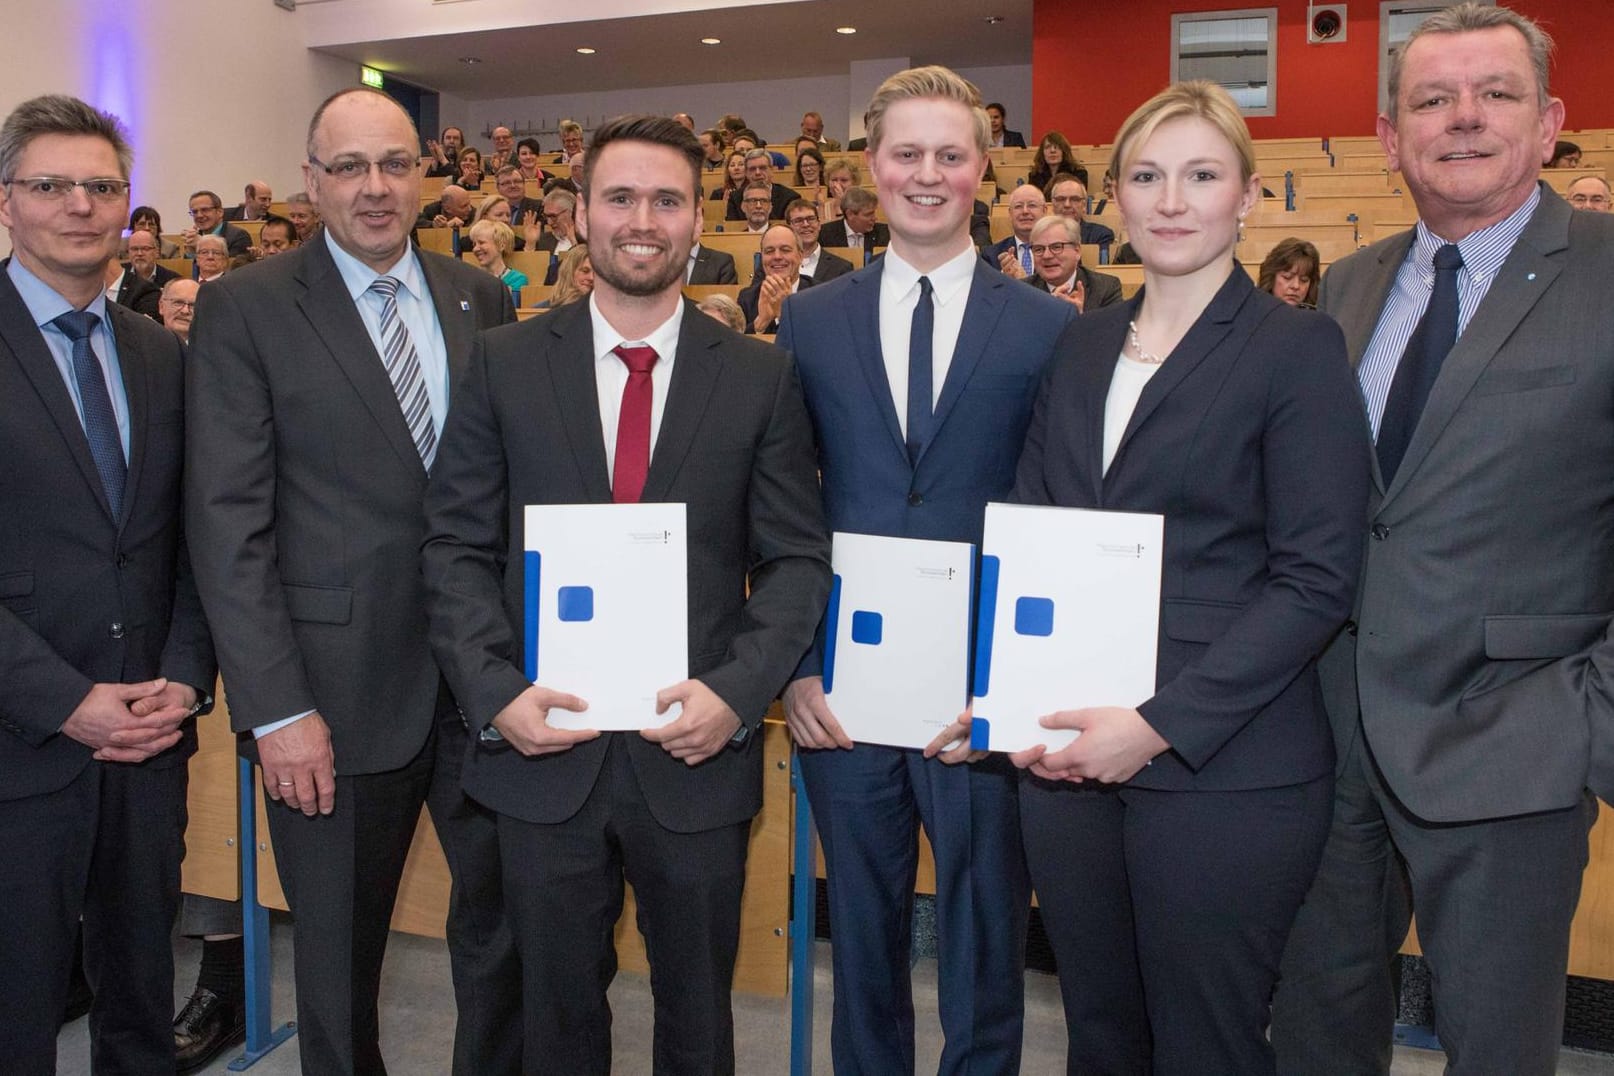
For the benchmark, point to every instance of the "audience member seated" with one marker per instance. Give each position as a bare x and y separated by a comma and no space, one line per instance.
572,181
207,214
491,240
685,120
470,165
146,218
142,251
1565,155
452,210
857,227
512,186
781,277
756,204
445,153
1590,192
277,236
1290,271
759,172
571,141
1056,250
1012,255
707,266
303,216
711,141
733,178
724,309
1054,156
574,280
810,170
497,208
504,149
125,288
731,124
177,305
560,222
1125,255
1109,193
817,264
812,126
1068,196
527,160
981,224
255,204
212,257
838,178
1001,135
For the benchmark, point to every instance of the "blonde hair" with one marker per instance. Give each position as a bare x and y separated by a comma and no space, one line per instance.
726,309
919,83
487,206
566,289
498,231
1199,99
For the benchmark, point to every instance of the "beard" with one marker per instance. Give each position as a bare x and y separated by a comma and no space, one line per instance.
640,283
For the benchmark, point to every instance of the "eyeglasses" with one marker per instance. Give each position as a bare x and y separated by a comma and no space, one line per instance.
350,169
1039,249
756,201
182,304
199,210
1588,199
556,218
56,188
803,222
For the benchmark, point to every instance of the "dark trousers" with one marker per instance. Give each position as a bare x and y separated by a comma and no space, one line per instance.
868,804
1167,912
107,847
341,874
1494,900
564,889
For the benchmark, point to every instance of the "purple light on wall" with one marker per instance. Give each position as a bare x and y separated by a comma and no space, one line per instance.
113,63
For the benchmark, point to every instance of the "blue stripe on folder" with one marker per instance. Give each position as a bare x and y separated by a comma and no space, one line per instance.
980,734
983,630
532,566
832,616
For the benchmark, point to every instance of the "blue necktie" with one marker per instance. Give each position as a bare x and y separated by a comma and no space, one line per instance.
1025,257
1420,364
100,421
921,417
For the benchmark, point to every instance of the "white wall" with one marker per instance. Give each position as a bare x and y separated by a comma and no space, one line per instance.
772,107
211,101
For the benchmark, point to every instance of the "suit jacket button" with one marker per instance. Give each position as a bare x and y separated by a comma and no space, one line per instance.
1380,531
123,560
1350,628
116,629
915,498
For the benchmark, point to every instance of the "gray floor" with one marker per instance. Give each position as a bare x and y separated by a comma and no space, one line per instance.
417,1021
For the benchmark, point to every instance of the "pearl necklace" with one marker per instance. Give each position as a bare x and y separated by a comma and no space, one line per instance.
1137,348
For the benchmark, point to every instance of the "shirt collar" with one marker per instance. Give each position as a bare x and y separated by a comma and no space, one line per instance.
44,303
358,277
947,280
664,337
1483,251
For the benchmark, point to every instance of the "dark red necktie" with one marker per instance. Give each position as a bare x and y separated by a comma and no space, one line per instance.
633,425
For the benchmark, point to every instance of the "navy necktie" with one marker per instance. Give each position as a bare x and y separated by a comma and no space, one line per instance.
100,421
921,416
1420,364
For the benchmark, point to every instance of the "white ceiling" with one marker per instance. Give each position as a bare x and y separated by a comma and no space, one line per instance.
788,40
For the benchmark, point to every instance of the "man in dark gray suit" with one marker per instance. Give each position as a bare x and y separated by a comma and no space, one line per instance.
632,395
816,262
318,383
1057,252
1470,694
104,652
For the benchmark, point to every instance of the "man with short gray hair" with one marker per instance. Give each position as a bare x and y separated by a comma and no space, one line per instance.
759,171
857,227
1589,192
1470,693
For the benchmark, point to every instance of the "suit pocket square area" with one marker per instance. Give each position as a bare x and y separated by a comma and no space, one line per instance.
1525,638
1500,382
16,584
319,604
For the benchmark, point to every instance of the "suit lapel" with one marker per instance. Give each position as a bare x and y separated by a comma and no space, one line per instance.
695,371
455,314
1097,371
334,317
23,337
1204,337
863,309
1358,312
1524,278
571,372
981,313
137,390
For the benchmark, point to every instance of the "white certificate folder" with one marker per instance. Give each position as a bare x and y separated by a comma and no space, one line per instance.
897,637
1069,618
607,600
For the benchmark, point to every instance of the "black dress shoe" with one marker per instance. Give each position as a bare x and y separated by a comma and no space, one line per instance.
205,1027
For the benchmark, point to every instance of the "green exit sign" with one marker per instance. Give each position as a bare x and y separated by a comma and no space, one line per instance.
370,77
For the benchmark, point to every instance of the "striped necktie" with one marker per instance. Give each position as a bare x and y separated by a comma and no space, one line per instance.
403,368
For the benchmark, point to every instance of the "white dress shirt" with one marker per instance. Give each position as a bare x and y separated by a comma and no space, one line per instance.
899,294
611,374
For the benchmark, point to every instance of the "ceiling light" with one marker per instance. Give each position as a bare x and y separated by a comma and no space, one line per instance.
711,41
585,51
846,29
470,59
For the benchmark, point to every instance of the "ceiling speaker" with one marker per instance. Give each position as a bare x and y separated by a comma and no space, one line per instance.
1325,24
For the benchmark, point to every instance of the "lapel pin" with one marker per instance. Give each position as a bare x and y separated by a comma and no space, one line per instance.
467,306
1530,276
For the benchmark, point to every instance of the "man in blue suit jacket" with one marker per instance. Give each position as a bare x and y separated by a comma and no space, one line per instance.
919,465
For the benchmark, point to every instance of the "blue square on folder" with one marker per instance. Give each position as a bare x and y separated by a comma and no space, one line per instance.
1034,616
867,628
575,603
